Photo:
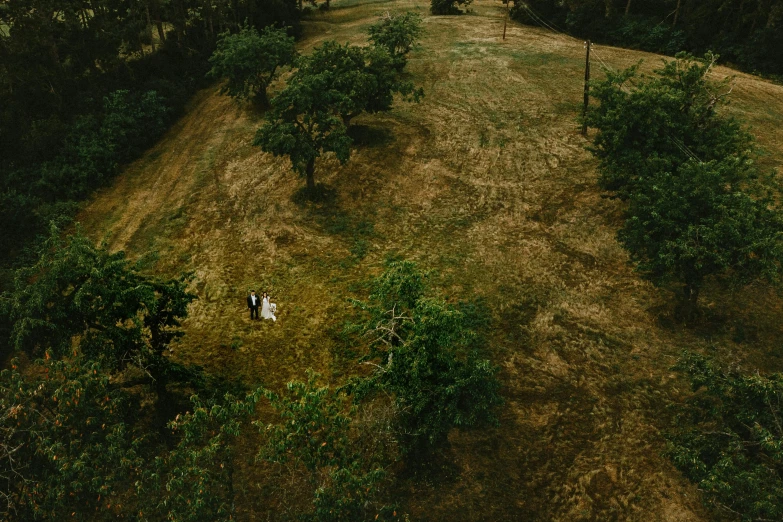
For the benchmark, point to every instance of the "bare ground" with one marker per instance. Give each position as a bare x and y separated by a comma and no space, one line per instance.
487,182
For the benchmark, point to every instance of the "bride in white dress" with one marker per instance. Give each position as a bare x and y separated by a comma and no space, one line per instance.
267,310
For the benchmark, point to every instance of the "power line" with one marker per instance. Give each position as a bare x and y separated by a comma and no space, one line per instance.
676,142
552,27
543,22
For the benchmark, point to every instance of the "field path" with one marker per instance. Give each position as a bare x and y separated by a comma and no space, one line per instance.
488,183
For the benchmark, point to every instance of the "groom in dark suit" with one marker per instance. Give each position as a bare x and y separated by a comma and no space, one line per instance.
253,302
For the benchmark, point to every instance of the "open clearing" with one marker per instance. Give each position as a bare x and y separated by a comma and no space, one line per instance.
488,183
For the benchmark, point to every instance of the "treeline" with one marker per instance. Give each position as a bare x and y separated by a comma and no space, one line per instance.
747,33
86,86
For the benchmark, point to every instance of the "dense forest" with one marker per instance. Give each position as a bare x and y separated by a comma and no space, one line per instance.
85,87
114,406
747,34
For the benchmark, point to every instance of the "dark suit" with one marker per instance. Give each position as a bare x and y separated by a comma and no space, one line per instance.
253,307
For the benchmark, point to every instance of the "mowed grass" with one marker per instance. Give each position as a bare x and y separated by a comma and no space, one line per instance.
487,183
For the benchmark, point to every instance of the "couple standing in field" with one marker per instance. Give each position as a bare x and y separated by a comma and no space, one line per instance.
267,309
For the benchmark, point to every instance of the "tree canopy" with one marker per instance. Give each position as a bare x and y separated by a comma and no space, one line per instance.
329,87
728,438
427,356
697,206
250,60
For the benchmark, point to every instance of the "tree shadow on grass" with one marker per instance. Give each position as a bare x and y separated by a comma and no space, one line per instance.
367,136
321,206
319,197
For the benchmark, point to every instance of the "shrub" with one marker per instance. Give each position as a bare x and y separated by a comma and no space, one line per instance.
448,7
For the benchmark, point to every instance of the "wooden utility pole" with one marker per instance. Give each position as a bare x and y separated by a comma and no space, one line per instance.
587,88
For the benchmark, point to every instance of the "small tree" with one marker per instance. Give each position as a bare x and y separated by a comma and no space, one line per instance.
250,60
426,356
728,439
448,7
397,34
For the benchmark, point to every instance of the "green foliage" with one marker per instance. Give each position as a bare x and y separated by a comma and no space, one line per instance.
82,299
314,427
397,34
448,7
329,88
346,494
194,481
65,446
696,206
250,60
74,443
683,227
316,430
748,35
426,357
648,125
728,438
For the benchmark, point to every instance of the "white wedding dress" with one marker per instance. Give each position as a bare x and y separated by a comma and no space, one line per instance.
266,310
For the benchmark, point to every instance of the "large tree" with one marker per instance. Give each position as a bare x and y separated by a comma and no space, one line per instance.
250,60
649,124
427,356
329,87
696,206
81,299
85,423
303,125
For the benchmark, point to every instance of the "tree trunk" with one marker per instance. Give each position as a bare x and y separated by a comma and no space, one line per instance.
690,301
676,13
261,99
149,27
309,171
161,32
627,7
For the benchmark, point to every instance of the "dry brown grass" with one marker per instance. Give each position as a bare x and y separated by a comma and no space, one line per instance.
486,181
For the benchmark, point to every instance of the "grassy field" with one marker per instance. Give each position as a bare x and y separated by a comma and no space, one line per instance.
488,183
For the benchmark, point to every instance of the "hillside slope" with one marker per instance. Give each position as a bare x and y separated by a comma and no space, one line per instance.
487,182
